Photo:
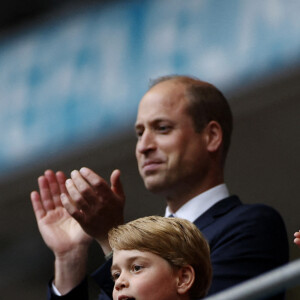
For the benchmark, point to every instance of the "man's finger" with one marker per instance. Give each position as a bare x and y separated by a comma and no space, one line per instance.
37,205
53,187
99,185
116,184
71,208
75,196
45,193
83,187
61,179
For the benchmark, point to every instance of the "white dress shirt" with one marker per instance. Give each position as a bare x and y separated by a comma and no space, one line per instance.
200,204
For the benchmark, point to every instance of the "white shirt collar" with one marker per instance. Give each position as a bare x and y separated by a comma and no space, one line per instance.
200,204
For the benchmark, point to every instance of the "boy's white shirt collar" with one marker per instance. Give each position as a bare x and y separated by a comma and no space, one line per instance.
200,204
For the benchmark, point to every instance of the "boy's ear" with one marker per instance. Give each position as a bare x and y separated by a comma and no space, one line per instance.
186,278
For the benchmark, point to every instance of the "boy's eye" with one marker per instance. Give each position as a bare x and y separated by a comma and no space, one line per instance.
139,133
136,268
115,276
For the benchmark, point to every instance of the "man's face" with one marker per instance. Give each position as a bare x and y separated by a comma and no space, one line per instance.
171,155
141,275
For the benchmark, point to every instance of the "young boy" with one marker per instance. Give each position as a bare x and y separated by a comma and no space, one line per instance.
157,258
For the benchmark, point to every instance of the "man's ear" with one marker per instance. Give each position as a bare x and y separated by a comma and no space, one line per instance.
186,278
214,136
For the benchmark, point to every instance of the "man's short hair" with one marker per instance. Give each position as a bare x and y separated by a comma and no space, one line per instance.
176,240
206,103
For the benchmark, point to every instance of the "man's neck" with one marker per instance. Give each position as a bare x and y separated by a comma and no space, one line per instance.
179,198
195,207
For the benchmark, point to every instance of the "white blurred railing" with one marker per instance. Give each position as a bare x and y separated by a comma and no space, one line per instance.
265,285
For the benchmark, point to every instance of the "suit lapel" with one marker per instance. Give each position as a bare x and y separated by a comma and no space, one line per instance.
217,210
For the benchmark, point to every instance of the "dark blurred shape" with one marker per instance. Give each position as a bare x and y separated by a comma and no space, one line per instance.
14,13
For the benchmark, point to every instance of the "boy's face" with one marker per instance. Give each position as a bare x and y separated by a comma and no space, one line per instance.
142,276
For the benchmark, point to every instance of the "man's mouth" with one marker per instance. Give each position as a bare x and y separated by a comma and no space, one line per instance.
151,165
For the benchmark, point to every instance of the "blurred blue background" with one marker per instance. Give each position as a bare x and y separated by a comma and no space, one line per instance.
72,74
78,75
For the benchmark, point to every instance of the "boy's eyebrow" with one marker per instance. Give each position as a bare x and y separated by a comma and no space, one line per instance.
129,260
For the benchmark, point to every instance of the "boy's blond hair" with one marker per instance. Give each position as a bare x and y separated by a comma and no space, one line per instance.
176,240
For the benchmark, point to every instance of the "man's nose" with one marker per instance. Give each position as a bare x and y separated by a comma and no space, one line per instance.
146,142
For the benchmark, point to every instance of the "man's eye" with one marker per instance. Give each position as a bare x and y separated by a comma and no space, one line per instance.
164,128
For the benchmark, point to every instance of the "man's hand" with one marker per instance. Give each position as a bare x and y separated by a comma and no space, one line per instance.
58,229
94,204
62,234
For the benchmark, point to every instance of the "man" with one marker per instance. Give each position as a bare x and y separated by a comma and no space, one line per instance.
183,132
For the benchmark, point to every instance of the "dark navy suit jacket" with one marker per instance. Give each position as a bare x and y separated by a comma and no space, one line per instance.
245,240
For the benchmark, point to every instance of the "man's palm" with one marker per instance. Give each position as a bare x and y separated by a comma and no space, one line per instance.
60,231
